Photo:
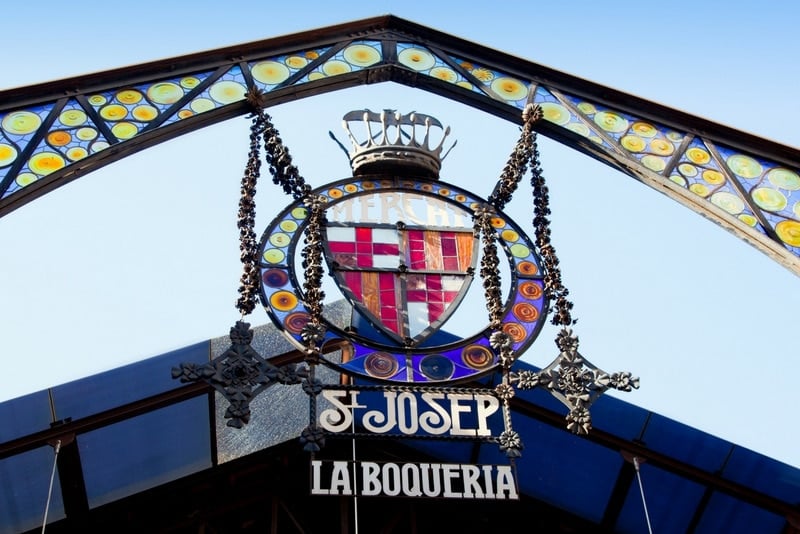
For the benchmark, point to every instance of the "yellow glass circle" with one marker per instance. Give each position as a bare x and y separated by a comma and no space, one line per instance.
299,213
748,219
185,113
728,202
510,88
227,92
200,105
76,153
129,96
97,100
713,177
579,128
124,130
444,73
274,255
784,179
698,156
144,113
632,143
687,170
283,300
44,163
675,137
789,232
311,54
678,179
587,108
611,122
498,222
86,134
165,93
26,178
335,67
661,147
644,129
745,166
288,226
654,163
484,75
351,188
7,154
699,189
113,112
296,62
270,72
97,146
555,113
316,75
416,58
279,239
72,117
361,55
190,82
796,209
335,193
518,250
59,138
21,122
509,235
465,84
769,199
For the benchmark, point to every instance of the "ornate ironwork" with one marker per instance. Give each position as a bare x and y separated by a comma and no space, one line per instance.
239,374
574,381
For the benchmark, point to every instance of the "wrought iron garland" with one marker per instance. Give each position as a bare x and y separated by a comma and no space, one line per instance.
241,373
570,378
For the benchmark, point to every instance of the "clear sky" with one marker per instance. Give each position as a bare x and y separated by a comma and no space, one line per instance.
141,257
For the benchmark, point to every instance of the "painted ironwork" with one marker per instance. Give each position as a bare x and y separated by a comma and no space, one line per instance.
53,133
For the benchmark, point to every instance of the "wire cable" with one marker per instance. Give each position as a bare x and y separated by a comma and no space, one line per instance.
641,490
50,490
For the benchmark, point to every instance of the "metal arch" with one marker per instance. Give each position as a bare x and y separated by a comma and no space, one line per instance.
53,133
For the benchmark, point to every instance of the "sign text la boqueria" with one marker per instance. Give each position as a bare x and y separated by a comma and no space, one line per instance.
373,479
409,413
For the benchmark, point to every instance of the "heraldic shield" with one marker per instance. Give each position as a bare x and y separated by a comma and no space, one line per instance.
406,280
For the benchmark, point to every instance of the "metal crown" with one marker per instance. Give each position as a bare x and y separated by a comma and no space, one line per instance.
395,144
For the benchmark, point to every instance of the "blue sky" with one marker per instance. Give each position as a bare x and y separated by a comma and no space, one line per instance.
141,257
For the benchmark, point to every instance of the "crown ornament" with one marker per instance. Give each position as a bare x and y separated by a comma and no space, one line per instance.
390,141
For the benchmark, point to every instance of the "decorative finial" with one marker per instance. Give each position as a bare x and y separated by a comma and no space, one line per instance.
391,141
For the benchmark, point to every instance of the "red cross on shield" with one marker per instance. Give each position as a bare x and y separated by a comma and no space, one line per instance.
406,280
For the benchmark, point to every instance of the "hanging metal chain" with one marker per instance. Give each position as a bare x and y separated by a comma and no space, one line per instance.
553,286
517,163
501,342
248,246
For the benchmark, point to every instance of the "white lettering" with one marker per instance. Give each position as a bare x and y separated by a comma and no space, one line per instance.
376,417
439,416
407,419
487,405
391,479
456,409
316,467
413,480
506,482
369,478
340,417
340,479
472,489
449,472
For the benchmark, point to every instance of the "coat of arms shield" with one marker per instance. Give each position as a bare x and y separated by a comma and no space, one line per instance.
406,280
